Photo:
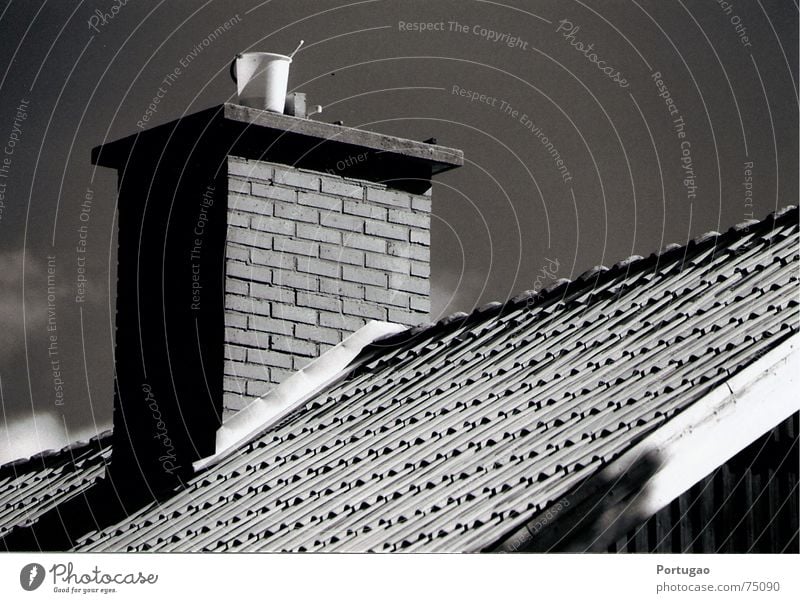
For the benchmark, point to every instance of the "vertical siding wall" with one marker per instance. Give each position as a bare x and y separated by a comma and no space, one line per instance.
749,505
310,258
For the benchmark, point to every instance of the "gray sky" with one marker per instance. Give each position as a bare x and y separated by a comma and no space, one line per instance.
647,160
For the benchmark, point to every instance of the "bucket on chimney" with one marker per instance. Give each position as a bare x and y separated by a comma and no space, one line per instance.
261,79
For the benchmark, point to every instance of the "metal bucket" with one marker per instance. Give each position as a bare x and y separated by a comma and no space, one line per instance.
261,79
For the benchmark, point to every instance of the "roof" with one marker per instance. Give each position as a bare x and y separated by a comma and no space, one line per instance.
31,487
448,437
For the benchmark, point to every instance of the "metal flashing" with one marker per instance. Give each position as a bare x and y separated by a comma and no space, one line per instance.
268,410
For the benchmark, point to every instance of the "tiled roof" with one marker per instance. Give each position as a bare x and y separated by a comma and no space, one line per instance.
31,487
446,438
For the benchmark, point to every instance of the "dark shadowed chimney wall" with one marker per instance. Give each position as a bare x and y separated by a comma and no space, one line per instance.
249,244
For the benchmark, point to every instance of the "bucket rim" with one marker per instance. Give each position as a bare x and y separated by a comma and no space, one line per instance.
273,55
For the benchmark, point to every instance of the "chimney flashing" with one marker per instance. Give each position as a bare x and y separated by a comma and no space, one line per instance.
289,396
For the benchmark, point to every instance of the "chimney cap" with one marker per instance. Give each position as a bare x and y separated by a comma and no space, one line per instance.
254,133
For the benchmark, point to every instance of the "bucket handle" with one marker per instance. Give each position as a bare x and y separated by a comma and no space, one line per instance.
233,69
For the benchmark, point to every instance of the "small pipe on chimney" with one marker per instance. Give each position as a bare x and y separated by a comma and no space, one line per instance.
296,49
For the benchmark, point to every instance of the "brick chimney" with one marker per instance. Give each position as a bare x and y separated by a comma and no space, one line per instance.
249,244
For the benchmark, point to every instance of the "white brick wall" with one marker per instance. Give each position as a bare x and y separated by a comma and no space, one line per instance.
310,258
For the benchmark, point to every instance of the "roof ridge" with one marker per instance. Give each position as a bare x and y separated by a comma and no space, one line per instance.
41,459
533,298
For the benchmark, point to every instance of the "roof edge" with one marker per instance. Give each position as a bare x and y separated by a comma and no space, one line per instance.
732,415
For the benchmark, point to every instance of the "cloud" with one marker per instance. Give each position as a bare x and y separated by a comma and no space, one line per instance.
455,291
29,420
12,331
26,436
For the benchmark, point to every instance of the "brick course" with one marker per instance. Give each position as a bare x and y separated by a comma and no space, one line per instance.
322,255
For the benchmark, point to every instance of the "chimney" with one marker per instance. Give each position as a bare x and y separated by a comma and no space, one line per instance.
250,243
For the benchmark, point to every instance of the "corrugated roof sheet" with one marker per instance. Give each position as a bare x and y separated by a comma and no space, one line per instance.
446,438
31,487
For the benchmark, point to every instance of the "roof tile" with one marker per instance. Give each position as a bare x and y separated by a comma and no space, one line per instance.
447,436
